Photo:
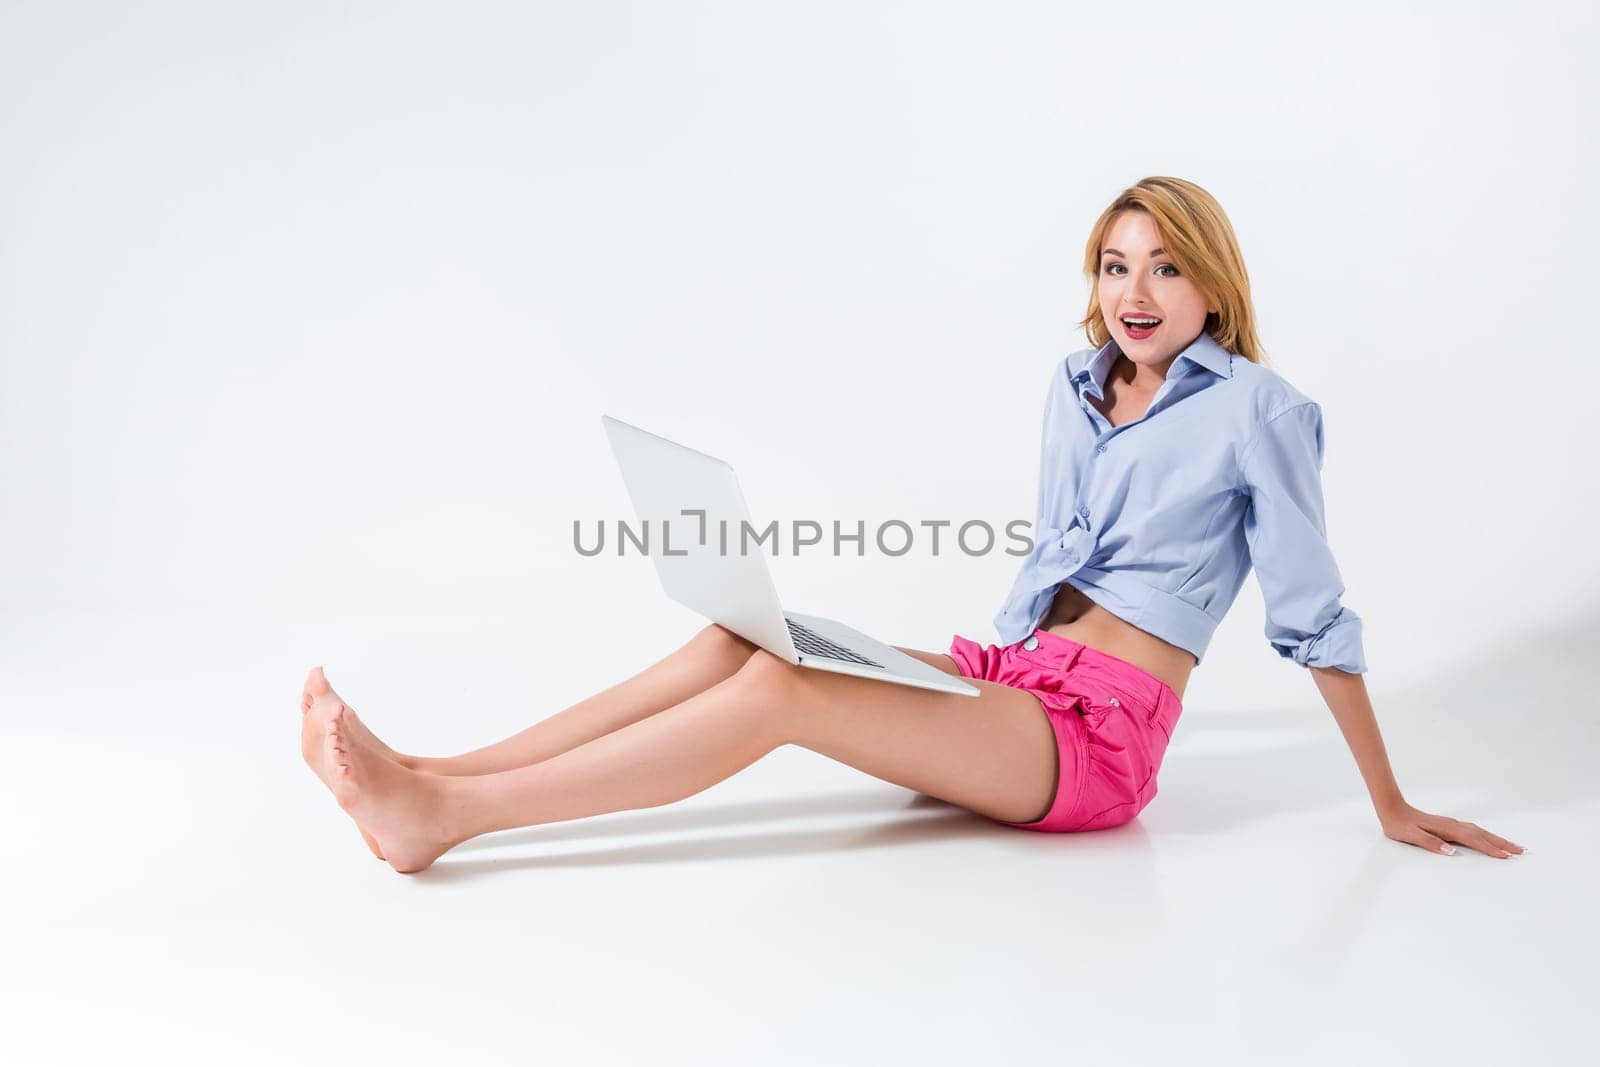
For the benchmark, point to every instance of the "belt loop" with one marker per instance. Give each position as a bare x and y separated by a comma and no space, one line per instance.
1073,649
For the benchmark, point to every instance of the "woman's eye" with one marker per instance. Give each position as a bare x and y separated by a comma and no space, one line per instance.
1111,268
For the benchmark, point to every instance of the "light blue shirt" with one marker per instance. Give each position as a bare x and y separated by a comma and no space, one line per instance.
1159,520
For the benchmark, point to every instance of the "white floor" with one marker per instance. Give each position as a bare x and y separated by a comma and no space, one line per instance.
179,884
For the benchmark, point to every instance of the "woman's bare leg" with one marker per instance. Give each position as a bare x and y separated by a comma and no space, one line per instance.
712,655
994,754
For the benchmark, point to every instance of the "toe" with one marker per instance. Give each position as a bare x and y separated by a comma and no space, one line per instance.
322,710
341,778
334,745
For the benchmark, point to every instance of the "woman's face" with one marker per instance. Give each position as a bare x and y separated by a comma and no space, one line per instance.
1137,278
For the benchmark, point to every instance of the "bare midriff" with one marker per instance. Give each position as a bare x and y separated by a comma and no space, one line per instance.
1077,618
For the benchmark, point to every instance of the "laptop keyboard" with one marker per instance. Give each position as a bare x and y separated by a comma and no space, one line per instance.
812,643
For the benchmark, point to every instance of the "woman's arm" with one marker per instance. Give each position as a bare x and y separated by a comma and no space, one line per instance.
1306,622
1346,695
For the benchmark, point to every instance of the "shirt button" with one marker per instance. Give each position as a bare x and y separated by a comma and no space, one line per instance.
1084,511
1101,448
1031,643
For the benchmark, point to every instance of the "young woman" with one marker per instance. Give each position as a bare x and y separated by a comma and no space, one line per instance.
1172,462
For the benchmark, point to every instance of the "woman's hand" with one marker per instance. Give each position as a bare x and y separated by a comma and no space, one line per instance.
1402,822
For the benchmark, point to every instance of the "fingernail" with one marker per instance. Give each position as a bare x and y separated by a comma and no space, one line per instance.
1447,850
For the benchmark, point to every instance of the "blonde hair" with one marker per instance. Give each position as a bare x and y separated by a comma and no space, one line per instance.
1198,236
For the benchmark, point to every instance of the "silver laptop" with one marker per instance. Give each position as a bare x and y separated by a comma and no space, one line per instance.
714,564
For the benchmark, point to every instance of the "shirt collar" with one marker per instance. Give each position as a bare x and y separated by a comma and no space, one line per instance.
1203,351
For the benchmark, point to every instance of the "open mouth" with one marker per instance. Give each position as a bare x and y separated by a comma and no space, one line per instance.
1140,326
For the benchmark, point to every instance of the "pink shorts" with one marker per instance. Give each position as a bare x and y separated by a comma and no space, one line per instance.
1112,722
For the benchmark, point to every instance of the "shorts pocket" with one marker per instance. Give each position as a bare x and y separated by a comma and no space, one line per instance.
1119,769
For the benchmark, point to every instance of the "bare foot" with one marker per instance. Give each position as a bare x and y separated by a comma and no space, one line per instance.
312,729
405,809
317,686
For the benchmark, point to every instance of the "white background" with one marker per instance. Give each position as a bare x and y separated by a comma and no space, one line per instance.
308,314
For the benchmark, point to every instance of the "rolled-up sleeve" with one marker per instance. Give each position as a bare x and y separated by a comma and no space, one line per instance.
1287,537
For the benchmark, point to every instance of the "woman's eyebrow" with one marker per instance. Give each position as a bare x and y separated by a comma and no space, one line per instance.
1114,252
